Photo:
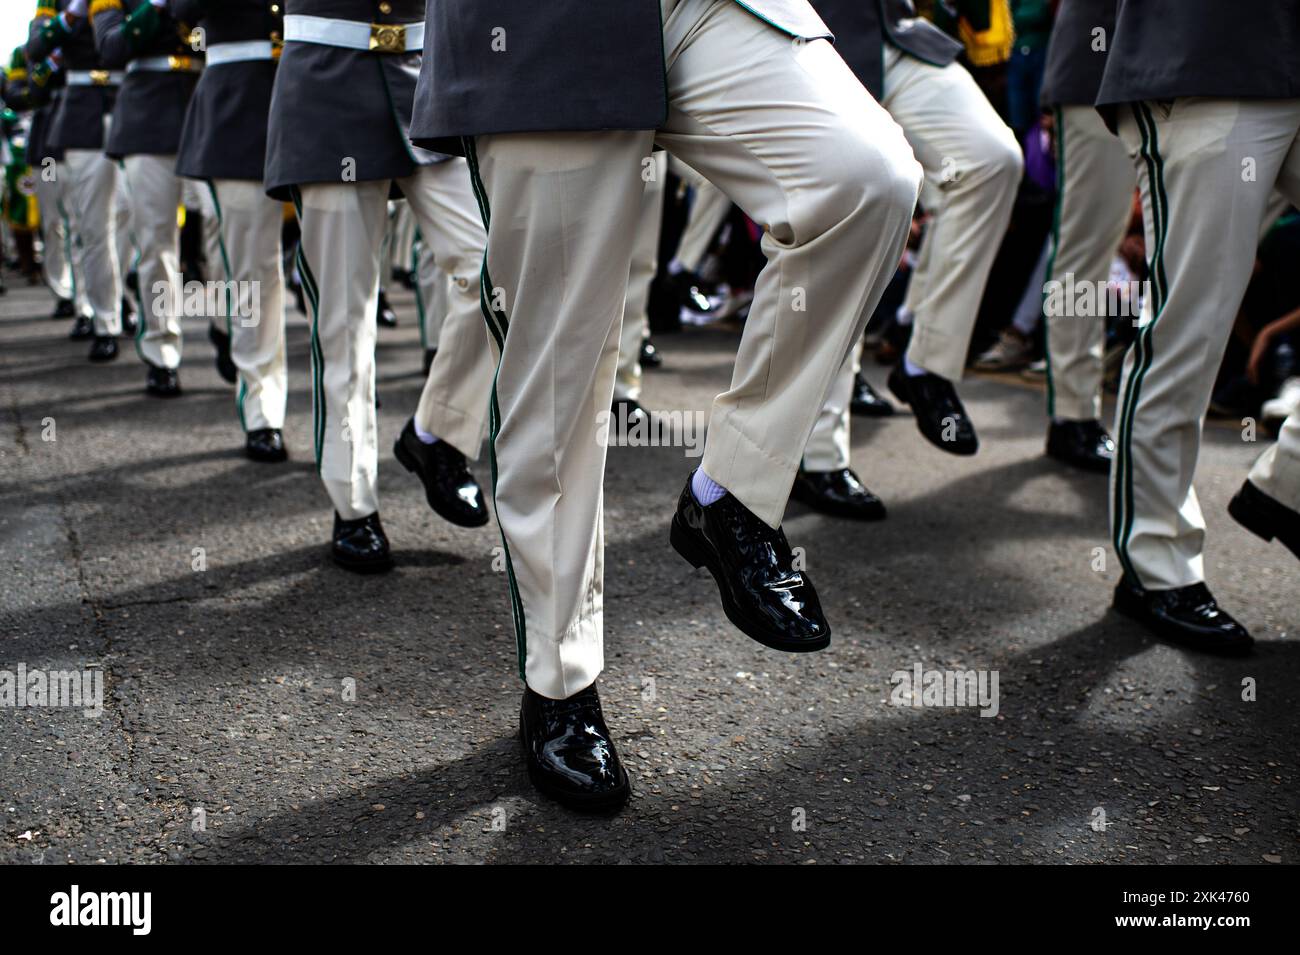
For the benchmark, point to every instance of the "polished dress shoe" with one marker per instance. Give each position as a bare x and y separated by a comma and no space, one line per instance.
1266,517
265,444
386,316
83,327
449,488
1081,444
650,357
689,291
163,382
569,753
1187,616
624,415
429,355
361,545
130,319
64,308
225,364
839,493
866,402
940,415
762,593
103,348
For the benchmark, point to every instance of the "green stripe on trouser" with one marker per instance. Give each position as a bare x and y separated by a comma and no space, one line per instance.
311,290
498,325
1122,504
1059,116
242,391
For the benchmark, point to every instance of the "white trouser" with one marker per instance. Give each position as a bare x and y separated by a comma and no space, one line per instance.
709,208
972,166
154,192
433,293
127,253
1206,171
789,133
55,234
1277,470
90,191
1094,198
645,262
197,198
343,226
248,255
401,238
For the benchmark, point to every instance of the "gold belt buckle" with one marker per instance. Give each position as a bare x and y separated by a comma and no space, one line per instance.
178,63
99,77
388,37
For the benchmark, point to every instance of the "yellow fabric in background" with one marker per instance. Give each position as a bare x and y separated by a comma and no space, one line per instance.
992,46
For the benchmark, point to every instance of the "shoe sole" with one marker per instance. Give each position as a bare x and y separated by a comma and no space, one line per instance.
602,802
1258,523
815,505
267,458
684,543
407,460
1138,615
1076,465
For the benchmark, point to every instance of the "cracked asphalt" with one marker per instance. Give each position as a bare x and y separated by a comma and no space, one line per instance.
272,708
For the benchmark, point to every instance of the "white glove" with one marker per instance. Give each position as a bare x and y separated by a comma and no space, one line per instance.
77,8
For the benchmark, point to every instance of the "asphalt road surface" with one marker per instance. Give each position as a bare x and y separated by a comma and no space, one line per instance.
270,707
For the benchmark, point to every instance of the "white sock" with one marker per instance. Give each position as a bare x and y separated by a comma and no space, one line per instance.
704,488
676,267
424,436
912,370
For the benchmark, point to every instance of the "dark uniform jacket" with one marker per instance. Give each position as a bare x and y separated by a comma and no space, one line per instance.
224,136
151,104
1166,49
36,87
1076,53
863,27
78,120
561,65
333,104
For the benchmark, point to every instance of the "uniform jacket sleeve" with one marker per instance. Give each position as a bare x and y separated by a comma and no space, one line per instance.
122,29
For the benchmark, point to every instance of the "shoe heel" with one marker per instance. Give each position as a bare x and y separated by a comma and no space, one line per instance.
404,456
685,544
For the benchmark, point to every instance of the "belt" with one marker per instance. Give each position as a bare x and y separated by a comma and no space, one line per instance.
240,52
165,64
95,77
355,35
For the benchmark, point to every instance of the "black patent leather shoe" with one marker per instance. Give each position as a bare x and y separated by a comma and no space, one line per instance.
266,444
103,348
689,290
1187,616
940,415
650,357
1266,517
83,327
762,592
1081,444
449,487
624,415
130,319
867,402
429,355
386,317
163,382
569,753
63,308
225,364
839,493
361,545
